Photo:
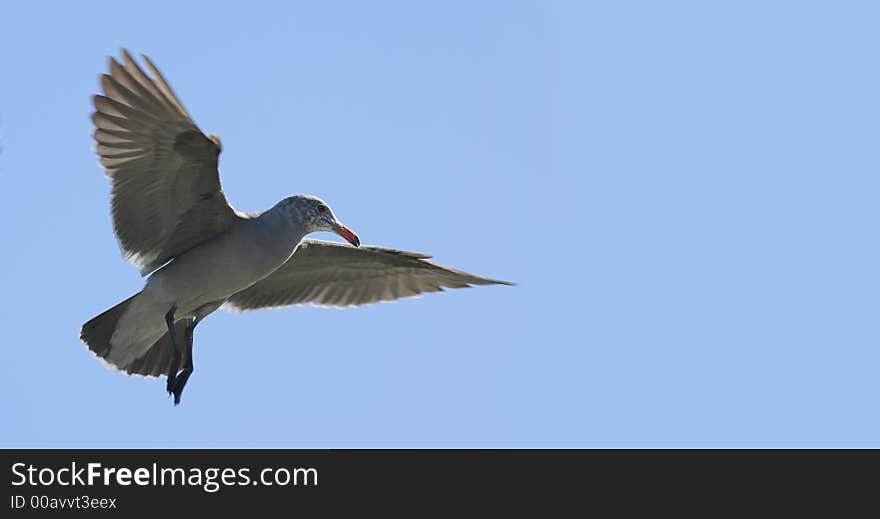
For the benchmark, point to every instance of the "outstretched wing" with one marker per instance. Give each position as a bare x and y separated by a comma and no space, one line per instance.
333,274
166,195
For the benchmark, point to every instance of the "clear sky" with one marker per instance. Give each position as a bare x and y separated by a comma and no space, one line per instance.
686,191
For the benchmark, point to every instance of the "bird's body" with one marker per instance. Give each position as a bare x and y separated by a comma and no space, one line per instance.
173,222
251,250
198,281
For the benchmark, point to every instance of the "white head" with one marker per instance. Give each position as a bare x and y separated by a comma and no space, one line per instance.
314,215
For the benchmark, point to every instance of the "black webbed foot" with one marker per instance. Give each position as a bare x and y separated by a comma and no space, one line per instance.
179,384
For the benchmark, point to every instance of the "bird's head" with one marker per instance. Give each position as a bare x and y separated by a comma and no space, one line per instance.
315,215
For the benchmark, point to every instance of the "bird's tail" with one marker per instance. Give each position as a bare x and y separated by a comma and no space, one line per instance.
156,358
97,332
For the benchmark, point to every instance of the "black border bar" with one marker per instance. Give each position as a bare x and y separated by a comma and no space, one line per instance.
417,482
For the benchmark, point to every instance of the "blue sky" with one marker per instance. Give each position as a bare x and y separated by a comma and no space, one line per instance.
686,192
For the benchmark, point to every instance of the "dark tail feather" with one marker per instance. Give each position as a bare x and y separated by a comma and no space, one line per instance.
97,332
155,362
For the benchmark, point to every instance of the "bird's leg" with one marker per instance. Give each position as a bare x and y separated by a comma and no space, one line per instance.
188,368
175,357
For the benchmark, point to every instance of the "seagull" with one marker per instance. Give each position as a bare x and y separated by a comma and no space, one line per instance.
173,222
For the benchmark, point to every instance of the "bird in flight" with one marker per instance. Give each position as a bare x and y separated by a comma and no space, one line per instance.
173,222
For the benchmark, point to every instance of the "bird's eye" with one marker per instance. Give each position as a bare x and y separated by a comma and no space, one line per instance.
322,209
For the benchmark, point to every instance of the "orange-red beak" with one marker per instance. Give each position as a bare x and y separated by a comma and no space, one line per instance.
349,235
